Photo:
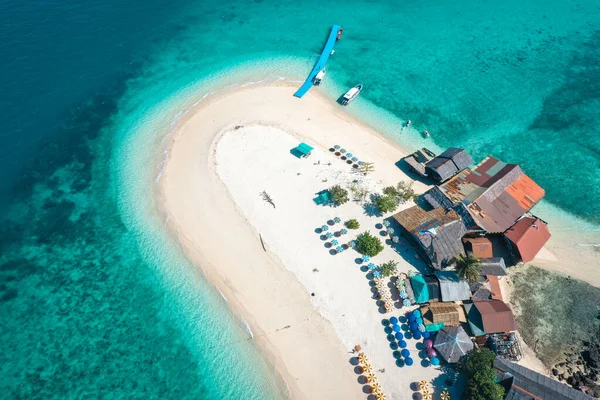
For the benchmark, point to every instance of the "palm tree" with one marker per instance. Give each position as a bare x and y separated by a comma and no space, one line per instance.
467,267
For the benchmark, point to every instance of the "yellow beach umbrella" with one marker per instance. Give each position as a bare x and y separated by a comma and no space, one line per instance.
380,396
445,395
423,384
375,388
362,358
427,397
371,378
426,392
367,369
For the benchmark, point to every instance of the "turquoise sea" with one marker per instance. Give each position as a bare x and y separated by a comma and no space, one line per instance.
96,301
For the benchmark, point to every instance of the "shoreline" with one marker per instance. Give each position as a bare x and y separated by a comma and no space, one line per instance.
212,272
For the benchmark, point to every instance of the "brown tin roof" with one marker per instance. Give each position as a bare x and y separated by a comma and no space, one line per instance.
496,316
528,235
480,247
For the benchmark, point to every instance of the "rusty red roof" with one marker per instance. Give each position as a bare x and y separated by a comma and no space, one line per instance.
480,247
496,194
529,235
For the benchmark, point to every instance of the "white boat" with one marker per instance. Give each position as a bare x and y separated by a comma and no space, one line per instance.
319,77
351,94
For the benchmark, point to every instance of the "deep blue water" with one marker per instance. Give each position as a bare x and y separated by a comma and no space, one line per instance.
89,306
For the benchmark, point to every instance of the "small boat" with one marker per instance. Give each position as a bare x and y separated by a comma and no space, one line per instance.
319,77
339,34
351,94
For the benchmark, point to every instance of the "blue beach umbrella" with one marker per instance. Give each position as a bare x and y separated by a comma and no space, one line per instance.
426,335
324,228
406,303
417,335
399,336
343,151
354,159
329,235
371,266
408,361
396,328
377,274
344,231
421,328
352,243
394,321
386,223
391,231
337,220
435,361
411,317
334,242
403,294
402,344
419,320
417,313
396,239
339,249
366,258
349,155
360,163
337,147
413,326
405,353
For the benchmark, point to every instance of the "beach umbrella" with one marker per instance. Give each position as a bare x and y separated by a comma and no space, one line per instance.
452,343
399,336
377,274
329,235
425,391
435,361
366,258
428,344
352,243
393,320
418,319
371,266
386,223
349,155
334,242
421,328
426,335
413,326
403,294
371,378
402,344
427,397
411,273
324,228
396,328
380,396
339,249
405,353
376,387
417,313
337,220
360,163
408,361
344,231
396,239
417,335
354,159
362,358
343,151
389,306
445,395
411,317
367,369
431,353
391,231
406,303
337,147
423,384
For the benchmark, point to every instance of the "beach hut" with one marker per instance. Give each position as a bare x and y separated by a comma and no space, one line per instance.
527,237
452,287
448,164
452,343
446,313
492,316
302,150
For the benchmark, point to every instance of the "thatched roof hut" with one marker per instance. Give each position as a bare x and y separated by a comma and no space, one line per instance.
446,313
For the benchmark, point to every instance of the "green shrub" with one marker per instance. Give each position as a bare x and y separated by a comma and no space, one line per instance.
338,194
478,365
389,268
403,191
352,224
368,244
386,203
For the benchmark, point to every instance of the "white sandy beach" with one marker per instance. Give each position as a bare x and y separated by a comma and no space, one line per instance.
227,151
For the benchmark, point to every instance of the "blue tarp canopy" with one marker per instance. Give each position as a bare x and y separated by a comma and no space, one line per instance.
420,289
304,149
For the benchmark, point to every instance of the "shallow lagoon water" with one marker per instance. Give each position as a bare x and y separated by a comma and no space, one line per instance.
96,298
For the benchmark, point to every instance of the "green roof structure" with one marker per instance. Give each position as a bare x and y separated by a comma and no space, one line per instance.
420,289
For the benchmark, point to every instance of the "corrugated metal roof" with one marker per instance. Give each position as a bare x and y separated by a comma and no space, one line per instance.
493,266
496,194
529,235
479,247
453,288
529,383
495,287
496,316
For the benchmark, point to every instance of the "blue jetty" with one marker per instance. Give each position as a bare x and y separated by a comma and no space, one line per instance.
334,35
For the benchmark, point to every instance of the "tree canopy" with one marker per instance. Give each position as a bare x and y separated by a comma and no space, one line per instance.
338,194
481,385
368,244
467,267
